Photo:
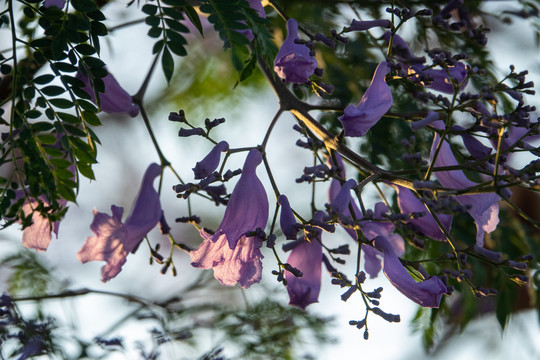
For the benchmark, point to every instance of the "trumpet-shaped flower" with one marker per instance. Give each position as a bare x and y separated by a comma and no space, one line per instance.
209,164
38,235
235,256
114,240
377,100
114,100
408,203
287,221
427,293
307,258
294,62
483,208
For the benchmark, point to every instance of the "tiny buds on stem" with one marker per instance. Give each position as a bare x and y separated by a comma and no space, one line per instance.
183,132
347,294
177,117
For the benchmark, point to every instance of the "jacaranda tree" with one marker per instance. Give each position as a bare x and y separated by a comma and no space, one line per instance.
396,100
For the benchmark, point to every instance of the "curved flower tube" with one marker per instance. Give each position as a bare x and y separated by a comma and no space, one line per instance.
287,221
427,293
234,256
483,208
408,203
294,62
209,164
306,257
376,101
114,100
114,240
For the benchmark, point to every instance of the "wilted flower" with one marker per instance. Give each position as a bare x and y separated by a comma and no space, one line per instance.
114,100
294,62
427,293
376,101
307,258
235,256
114,240
209,164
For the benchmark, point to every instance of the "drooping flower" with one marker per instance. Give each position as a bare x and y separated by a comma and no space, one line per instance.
483,208
294,62
209,164
114,100
442,78
114,240
38,235
235,256
307,258
427,293
287,221
257,6
377,100
408,203
370,229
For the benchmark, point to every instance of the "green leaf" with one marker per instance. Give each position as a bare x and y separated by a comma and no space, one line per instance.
29,92
53,90
41,126
62,103
47,139
155,32
43,79
85,49
52,151
194,18
67,193
68,118
87,105
149,9
33,114
175,37
84,5
152,20
86,170
91,118
249,68
176,25
93,62
167,63
158,46
73,130
64,67
60,163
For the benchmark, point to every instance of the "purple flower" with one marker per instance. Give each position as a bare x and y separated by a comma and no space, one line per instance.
294,62
240,265
365,25
57,3
401,49
114,240
257,6
209,164
408,203
427,293
473,145
114,99
483,208
287,221
376,101
306,257
441,80
342,199
38,235
246,212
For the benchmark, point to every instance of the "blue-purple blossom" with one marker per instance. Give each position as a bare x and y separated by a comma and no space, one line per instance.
306,257
209,164
365,25
483,208
408,203
257,6
473,145
427,293
235,256
114,100
377,100
57,3
114,240
442,78
287,221
294,62
340,203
